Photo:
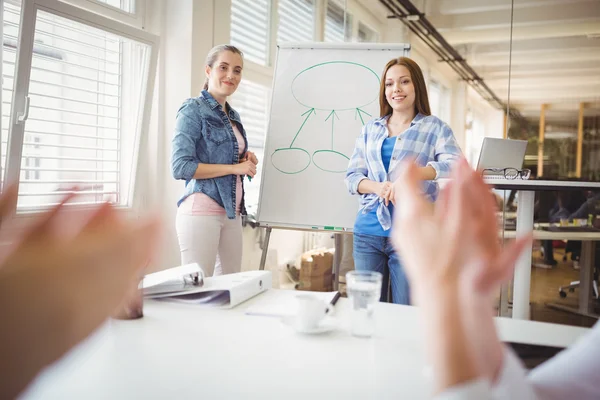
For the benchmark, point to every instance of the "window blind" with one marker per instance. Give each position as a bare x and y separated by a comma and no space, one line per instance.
250,21
85,98
296,21
252,102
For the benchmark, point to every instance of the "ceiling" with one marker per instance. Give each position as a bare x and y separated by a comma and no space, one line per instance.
555,50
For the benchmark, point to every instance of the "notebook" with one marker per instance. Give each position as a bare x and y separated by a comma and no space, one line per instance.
224,291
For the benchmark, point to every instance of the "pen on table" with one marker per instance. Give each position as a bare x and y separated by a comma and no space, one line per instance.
335,299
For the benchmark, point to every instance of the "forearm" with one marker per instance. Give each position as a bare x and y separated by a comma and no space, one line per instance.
427,173
368,186
30,340
208,171
480,328
450,349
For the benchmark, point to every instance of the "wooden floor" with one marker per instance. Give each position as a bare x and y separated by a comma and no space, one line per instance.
544,289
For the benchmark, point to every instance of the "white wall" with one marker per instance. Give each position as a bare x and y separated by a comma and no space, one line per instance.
486,121
185,29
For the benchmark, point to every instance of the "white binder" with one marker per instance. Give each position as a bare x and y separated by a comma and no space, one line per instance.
225,291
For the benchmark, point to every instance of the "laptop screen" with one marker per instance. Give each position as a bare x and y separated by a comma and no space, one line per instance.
501,153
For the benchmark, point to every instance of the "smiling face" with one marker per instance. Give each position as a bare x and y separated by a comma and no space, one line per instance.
399,89
224,75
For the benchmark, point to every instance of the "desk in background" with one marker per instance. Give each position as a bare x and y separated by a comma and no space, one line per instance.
180,351
526,189
586,270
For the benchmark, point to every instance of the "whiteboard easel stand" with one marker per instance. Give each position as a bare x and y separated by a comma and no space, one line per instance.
265,247
337,256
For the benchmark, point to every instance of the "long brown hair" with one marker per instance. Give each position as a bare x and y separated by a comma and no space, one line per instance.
416,75
213,54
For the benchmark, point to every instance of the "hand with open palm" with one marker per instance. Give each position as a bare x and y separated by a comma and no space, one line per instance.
57,285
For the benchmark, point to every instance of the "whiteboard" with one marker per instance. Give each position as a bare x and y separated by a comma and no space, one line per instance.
322,95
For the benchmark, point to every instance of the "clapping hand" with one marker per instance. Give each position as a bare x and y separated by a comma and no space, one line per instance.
453,241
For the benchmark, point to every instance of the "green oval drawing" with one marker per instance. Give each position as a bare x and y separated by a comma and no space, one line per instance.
296,150
344,157
333,107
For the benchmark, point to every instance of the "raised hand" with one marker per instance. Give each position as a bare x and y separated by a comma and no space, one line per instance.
454,239
57,285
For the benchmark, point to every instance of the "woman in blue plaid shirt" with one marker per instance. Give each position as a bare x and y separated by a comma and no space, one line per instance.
405,129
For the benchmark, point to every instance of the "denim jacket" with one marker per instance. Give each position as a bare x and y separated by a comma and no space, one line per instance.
204,135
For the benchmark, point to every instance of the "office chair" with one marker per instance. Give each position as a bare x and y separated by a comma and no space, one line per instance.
562,290
575,284
588,205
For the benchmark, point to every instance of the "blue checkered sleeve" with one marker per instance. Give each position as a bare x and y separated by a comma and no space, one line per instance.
357,166
447,152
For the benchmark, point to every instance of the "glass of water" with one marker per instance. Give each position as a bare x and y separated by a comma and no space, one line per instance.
364,291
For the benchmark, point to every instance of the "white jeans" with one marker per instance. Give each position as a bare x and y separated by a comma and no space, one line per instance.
210,239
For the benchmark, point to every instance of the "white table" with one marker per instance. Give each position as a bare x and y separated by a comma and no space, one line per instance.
180,351
526,190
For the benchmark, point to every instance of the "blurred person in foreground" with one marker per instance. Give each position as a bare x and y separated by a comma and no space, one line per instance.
455,263
60,278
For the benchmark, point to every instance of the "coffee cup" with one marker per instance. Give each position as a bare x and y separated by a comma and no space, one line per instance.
311,310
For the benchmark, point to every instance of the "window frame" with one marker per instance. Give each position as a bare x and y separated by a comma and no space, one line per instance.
19,108
136,18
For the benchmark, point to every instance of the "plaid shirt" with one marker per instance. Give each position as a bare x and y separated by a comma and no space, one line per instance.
428,140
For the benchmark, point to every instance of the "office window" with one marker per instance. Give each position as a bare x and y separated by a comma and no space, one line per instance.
125,5
296,21
252,102
366,34
434,93
334,24
87,89
250,29
439,100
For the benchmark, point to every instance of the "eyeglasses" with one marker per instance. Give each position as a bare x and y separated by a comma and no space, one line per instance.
509,173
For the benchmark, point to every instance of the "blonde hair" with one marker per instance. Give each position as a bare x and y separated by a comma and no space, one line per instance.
421,98
213,54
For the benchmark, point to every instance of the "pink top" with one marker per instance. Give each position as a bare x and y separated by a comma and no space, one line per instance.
201,204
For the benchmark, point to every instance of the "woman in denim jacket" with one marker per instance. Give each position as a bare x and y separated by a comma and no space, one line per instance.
210,152
405,129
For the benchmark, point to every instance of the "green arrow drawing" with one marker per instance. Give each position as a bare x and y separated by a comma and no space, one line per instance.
333,115
309,112
360,111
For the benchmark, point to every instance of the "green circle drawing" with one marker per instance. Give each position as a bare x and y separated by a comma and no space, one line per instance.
333,152
294,150
336,62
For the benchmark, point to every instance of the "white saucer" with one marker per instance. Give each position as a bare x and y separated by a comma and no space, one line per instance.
327,324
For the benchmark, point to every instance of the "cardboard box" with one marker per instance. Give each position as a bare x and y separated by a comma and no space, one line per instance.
316,271
322,283
316,263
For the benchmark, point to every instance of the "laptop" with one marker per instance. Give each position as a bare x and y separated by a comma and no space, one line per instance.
501,153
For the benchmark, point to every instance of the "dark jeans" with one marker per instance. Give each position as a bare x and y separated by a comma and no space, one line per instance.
376,253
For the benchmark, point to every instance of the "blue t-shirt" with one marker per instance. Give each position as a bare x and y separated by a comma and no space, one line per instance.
368,224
